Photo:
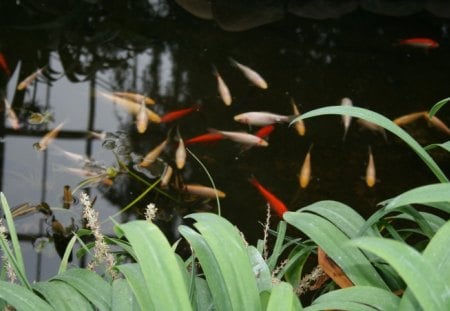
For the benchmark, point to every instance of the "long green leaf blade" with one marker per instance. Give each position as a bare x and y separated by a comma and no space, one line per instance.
136,282
436,107
90,285
232,258
21,298
420,276
433,193
281,297
159,266
122,296
445,146
333,241
214,276
62,296
382,121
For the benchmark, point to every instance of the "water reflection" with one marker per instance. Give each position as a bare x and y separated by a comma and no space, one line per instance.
157,49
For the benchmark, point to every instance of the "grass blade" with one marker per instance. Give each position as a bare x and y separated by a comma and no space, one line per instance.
333,241
90,285
62,296
137,284
384,122
232,259
433,193
419,274
22,298
159,266
436,107
67,253
445,146
374,297
278,248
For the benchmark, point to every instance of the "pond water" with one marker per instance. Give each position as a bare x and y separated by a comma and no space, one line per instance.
162,51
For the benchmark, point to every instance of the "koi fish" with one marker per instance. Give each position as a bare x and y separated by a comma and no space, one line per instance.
11,115
346,119
4,64
265,131
408,118
224,92
203,191
250,74
372,127
276,204
72,156
242,138
142,118
57,227
174,115
205,138
132,106
437,123
305,171
370,171
180,154
48,138
424,43
100,136
153,155
165,177
261,118
28,80
67,197
135,97
299,125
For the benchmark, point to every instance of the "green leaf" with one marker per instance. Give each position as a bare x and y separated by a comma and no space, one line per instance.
232,258
445,146
278,248
374,297
422,195
16,260
342,216
292,270
62,296
22,298
333,241
419,274
67,253
282,297
123,297
383,122
90,285
136,282
260,269
436,107
343,305
437,252
203,295
157,261
210,266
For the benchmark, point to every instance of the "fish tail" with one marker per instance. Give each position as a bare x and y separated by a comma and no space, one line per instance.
215,72
345,134
233,62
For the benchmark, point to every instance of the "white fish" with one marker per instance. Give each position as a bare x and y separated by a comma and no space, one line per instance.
153,154
135,97
299,125
11,115
223,89
180,154
142,118
242,138
101,135
165,177
261,118
48,138
346,119
28,80
251,75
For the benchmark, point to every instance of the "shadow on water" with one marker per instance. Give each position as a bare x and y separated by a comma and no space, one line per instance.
158,49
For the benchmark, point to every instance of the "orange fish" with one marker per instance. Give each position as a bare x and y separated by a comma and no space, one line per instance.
276,204
370,171
437,123
174,115
205,138
408,118
424,43
305,172
299,125
153,154
48,138
28,80
203,191
4,64
265,131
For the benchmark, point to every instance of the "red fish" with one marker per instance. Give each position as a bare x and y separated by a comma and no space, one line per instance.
265,131
174,115
424,43
205,138
273,201
4,65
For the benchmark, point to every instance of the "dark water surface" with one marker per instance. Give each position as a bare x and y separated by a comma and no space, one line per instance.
160,50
